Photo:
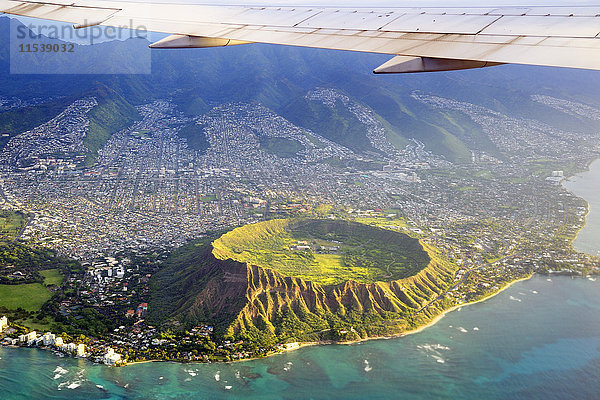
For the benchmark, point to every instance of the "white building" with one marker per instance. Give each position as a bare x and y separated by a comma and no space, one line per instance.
81,350
112,358
3,323
291,346
48,338
71,347
28,338
119,272
58,342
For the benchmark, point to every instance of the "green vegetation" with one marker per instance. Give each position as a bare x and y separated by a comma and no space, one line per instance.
281,147
14,122
29,296
337,124
11,224
184,275
190,103
112,114
325,251
20,255
52,277
195,137
394,223
198,284
208,198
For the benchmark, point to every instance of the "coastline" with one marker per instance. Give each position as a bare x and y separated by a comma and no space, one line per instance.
587,211
436,319
421,328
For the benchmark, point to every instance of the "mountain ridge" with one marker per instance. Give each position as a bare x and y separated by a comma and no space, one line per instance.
248,301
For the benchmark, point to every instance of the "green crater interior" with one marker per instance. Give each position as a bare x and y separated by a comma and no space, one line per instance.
327,252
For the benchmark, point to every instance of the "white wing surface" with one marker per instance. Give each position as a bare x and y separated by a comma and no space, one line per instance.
425,39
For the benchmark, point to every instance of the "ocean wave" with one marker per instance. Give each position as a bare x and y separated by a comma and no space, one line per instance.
70,385
433,347
59,372
438,359
434,351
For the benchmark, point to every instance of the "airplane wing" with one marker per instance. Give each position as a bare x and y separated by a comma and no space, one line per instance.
420,38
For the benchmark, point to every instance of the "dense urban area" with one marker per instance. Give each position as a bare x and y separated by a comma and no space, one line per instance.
108,227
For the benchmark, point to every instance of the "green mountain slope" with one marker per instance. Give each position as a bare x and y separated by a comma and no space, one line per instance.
336,124
260,303
112,114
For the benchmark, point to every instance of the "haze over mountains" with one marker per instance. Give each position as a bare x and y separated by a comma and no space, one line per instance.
280,78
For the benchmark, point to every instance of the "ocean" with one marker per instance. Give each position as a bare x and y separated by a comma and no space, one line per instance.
587,185
539,339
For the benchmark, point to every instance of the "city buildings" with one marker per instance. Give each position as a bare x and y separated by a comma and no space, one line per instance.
112,358
28,338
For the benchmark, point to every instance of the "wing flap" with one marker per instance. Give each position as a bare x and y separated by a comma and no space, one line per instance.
336,19
431,23
528,25
554,36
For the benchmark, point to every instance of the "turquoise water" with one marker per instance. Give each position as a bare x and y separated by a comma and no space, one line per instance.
587,185
539,339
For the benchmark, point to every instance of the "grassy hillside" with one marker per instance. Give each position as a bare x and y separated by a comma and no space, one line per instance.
336,124
189,271
13,122
199,283
112,114
190,103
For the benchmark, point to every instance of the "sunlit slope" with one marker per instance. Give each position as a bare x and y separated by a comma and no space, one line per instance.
209,283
